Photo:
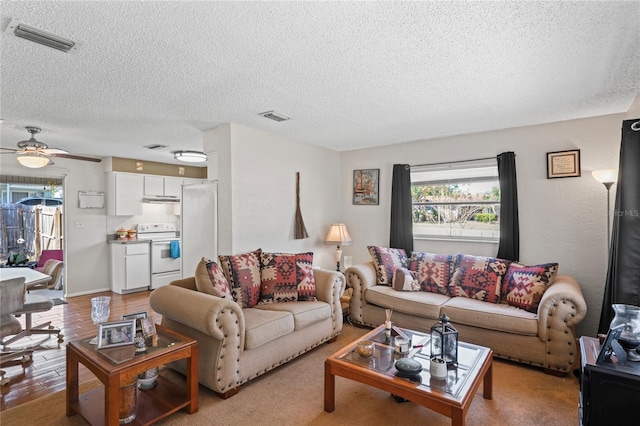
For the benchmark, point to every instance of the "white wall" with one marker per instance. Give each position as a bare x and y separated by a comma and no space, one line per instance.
561,220
85,249
257,198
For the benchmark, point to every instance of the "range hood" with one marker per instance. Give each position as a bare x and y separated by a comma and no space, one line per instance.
161,199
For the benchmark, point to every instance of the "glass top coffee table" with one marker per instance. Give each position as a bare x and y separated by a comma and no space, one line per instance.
451,396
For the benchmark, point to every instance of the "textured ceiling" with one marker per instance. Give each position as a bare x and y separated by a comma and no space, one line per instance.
350,74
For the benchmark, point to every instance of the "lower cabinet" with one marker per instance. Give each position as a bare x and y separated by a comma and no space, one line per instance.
609,392
130,267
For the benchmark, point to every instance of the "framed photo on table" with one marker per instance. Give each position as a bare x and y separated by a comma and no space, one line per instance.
138,316
563,164
365,186
117,333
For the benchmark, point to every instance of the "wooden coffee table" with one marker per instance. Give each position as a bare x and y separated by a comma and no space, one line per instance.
451,397
102,406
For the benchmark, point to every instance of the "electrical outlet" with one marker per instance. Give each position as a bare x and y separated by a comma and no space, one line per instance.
78,225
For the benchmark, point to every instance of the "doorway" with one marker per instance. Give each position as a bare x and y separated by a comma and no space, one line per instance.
31,222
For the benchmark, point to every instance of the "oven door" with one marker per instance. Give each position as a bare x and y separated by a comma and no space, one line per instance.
161,260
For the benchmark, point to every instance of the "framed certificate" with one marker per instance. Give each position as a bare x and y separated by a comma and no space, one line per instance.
563,164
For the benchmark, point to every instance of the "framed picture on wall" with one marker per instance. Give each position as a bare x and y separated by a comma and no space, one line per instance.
563,164
365,186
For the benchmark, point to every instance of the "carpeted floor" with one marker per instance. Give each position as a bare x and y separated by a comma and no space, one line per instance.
293,395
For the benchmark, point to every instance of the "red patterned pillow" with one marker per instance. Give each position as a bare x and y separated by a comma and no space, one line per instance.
434,270
211,280
387,260
524,286
287,277
243,273
478,277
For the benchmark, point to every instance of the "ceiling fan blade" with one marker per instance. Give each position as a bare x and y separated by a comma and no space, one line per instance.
52,151
77,157
9,149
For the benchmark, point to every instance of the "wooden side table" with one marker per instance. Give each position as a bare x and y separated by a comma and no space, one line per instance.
101,406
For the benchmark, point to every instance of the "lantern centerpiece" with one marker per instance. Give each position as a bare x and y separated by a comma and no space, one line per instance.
444,341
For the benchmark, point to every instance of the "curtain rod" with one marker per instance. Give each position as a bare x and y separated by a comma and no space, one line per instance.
452,162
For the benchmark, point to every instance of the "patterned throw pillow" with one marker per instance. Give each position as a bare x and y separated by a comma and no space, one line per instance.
406,280
287,277
243,273
478,277
434,271
211,280
524,286
387,260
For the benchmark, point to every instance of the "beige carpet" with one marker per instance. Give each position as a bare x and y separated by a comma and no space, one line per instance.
293,395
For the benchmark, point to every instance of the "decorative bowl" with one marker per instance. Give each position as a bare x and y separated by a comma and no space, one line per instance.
365,348
408,367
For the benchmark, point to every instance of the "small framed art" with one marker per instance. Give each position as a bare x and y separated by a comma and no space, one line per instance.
563,164
148,327
365,186
117,333
138,316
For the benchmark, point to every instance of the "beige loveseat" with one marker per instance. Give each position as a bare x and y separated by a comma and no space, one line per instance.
237,345
546,339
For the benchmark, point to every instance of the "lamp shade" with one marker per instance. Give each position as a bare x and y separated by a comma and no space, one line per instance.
338,235
33,161
606,175
190,156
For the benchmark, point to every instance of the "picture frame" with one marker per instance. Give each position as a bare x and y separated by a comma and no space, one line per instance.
148,327
116,333
607,348
138,316
561,164
366,183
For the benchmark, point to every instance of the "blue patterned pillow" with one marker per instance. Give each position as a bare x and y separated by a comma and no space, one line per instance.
387,260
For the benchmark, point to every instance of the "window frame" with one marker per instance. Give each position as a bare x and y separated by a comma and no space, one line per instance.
457,173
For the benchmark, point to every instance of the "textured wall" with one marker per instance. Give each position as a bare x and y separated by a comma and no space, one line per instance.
562,220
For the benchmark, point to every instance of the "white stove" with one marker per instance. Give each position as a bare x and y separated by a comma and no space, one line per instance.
165,252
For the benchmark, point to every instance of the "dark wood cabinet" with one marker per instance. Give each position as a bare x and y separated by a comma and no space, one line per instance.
610,392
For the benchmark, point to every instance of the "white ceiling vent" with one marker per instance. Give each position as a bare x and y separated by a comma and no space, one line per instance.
31,33
275,116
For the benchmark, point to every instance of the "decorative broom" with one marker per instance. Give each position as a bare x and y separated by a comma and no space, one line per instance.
301,230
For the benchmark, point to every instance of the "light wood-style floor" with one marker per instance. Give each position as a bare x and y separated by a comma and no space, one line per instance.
46,373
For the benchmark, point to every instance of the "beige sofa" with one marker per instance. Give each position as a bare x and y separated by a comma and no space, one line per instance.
546,339
237,345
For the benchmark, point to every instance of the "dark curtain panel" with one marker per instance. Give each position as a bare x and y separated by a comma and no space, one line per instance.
509,247
401,223
623,275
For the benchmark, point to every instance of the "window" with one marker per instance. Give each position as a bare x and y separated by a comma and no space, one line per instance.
458,201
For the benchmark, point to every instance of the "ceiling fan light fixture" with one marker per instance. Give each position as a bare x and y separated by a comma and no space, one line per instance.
190,156
33,161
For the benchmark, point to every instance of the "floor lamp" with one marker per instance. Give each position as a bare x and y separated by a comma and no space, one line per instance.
338,235
607,177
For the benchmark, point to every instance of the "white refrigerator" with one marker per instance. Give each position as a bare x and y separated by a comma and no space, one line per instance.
199,225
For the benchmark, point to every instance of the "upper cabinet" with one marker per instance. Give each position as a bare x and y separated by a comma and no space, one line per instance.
124,194
162,186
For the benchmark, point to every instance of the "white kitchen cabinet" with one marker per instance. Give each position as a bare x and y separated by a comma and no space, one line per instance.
130,267
162,186
124,194
173,187
153,185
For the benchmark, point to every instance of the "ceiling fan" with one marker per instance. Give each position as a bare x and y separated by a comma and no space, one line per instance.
34,154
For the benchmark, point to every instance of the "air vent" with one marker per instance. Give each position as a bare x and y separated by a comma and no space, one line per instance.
28,32
156,146
275,116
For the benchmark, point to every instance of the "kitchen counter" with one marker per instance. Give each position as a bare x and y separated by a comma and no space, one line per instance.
113,240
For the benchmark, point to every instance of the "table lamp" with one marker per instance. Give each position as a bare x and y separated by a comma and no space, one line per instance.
339,236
